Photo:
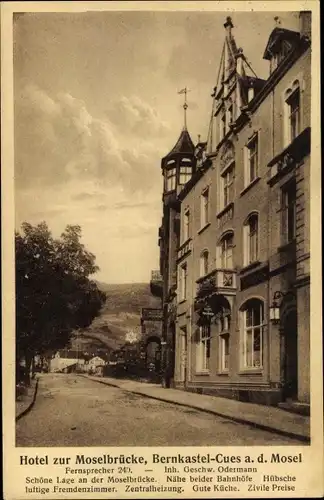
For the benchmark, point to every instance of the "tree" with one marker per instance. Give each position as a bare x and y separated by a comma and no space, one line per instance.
54,292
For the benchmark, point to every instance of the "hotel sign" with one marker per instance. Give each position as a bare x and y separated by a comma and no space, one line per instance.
207,311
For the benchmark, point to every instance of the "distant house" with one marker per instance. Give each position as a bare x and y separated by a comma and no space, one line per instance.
95,363
66,360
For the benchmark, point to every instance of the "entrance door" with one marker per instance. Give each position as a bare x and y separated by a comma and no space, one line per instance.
183,355
291,356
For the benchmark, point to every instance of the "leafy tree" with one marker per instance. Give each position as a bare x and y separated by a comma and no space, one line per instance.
54,292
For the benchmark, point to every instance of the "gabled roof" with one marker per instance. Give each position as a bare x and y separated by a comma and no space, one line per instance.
277,35
183,145
70,354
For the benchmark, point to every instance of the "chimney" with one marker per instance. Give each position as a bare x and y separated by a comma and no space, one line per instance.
305,23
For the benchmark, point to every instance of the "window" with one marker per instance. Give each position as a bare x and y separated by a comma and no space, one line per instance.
203,348
204,208
231,118
171,179
294,108
186,225
185,174
223,318
183,281
252,334
228,186
252,158
222,125
293,112
289,212
224,352
226,257
251,239
204,265
281,54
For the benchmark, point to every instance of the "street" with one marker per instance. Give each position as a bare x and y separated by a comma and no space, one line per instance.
74,411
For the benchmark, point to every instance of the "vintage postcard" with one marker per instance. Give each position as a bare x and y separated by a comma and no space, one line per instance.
161,173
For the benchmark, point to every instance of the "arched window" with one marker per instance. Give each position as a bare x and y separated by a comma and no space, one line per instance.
252,326
251,239
226,251
204,263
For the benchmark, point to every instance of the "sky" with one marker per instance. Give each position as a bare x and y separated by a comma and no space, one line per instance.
96,109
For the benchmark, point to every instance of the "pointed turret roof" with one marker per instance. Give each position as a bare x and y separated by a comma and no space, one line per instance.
184,145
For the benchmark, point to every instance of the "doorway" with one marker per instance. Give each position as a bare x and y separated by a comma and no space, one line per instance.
183,355
290,356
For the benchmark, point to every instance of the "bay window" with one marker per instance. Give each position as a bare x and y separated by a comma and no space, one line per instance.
171,179
185,174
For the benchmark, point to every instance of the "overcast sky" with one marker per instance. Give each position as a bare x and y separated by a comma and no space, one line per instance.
96,108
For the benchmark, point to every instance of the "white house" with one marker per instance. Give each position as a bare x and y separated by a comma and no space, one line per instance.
65,359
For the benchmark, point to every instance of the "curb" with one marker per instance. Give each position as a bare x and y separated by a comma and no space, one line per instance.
293,435
30,405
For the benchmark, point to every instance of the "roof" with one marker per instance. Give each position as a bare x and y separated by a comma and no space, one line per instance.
183,145
70,354
276,36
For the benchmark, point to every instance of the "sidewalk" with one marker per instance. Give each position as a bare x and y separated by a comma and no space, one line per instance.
262,417
26,401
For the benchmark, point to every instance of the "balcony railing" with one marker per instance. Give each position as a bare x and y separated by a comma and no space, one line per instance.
219,280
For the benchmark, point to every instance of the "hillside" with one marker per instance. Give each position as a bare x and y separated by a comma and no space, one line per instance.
120,313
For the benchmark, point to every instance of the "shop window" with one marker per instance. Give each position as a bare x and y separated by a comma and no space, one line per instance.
203,348
252,321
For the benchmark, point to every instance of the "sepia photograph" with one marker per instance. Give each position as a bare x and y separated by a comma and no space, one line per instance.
162,228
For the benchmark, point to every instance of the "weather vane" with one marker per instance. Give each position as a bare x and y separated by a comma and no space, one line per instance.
185,104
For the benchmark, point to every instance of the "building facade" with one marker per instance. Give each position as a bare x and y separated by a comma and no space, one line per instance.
234,239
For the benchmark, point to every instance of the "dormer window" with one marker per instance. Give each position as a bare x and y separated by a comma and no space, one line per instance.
280,52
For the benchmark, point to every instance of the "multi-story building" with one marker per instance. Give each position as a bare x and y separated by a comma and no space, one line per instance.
235,237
